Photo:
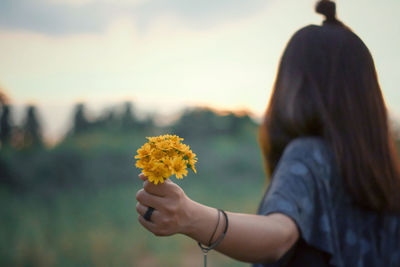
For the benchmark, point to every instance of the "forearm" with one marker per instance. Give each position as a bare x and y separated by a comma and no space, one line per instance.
250,238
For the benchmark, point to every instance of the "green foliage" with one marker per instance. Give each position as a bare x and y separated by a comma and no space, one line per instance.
5,125
81,122
98,229
128,120
32,132
74,204
202,122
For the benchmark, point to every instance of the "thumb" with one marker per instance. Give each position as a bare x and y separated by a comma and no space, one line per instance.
142,177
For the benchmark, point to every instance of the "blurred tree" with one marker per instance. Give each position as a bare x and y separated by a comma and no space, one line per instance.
6,176
240,123
32,132
81,123
5,125
204,122
106,121
234,123
197,122
128,119
148,123
111,121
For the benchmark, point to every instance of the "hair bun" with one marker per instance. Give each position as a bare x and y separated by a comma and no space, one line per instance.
326,8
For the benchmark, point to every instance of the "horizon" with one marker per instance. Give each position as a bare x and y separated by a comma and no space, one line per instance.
94,113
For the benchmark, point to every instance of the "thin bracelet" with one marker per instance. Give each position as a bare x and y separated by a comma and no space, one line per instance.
215,230
220,238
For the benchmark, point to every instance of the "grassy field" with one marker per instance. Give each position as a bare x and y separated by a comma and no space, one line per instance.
101,229
79,206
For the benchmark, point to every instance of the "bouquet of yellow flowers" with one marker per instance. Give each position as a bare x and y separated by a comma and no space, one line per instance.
164,156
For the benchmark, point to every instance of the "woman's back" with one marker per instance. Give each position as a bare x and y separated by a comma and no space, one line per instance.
307,187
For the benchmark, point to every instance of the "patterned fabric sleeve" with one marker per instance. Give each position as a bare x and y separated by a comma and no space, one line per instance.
299,189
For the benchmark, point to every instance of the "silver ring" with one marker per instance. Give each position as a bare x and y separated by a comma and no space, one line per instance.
149,212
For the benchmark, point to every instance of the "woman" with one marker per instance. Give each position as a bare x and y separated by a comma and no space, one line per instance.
334,195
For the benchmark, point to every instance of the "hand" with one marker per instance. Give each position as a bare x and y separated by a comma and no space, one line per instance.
171,213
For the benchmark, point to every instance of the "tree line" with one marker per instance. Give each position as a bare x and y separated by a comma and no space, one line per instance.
98,151
193,122
29,134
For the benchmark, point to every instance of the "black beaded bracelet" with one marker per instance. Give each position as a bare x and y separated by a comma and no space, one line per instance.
220,238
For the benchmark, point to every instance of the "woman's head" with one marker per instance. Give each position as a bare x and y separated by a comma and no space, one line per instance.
327,86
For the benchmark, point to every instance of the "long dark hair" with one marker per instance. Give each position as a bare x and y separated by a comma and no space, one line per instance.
327,86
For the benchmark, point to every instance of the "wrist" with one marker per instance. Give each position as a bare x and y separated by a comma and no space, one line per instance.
190,222
201,221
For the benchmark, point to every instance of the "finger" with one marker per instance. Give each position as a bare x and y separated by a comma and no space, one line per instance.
158,190
168,181
147,224
148,199
142,209
142,176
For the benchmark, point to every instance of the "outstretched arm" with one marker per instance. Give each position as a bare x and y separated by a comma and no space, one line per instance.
250,238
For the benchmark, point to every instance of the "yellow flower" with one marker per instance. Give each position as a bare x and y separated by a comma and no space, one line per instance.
164,156
172,153
173,138
184,149
191,156
158,173
193,169
158,154
167,162
143,162
143,151
154,139
164,145
179,167
176,145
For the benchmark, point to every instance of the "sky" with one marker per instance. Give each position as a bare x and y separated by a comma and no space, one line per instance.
165,55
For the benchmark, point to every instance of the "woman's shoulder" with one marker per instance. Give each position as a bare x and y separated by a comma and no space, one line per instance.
314,154
308,147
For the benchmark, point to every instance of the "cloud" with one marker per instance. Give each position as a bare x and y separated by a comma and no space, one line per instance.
201,13
52,18
57,17
83,2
